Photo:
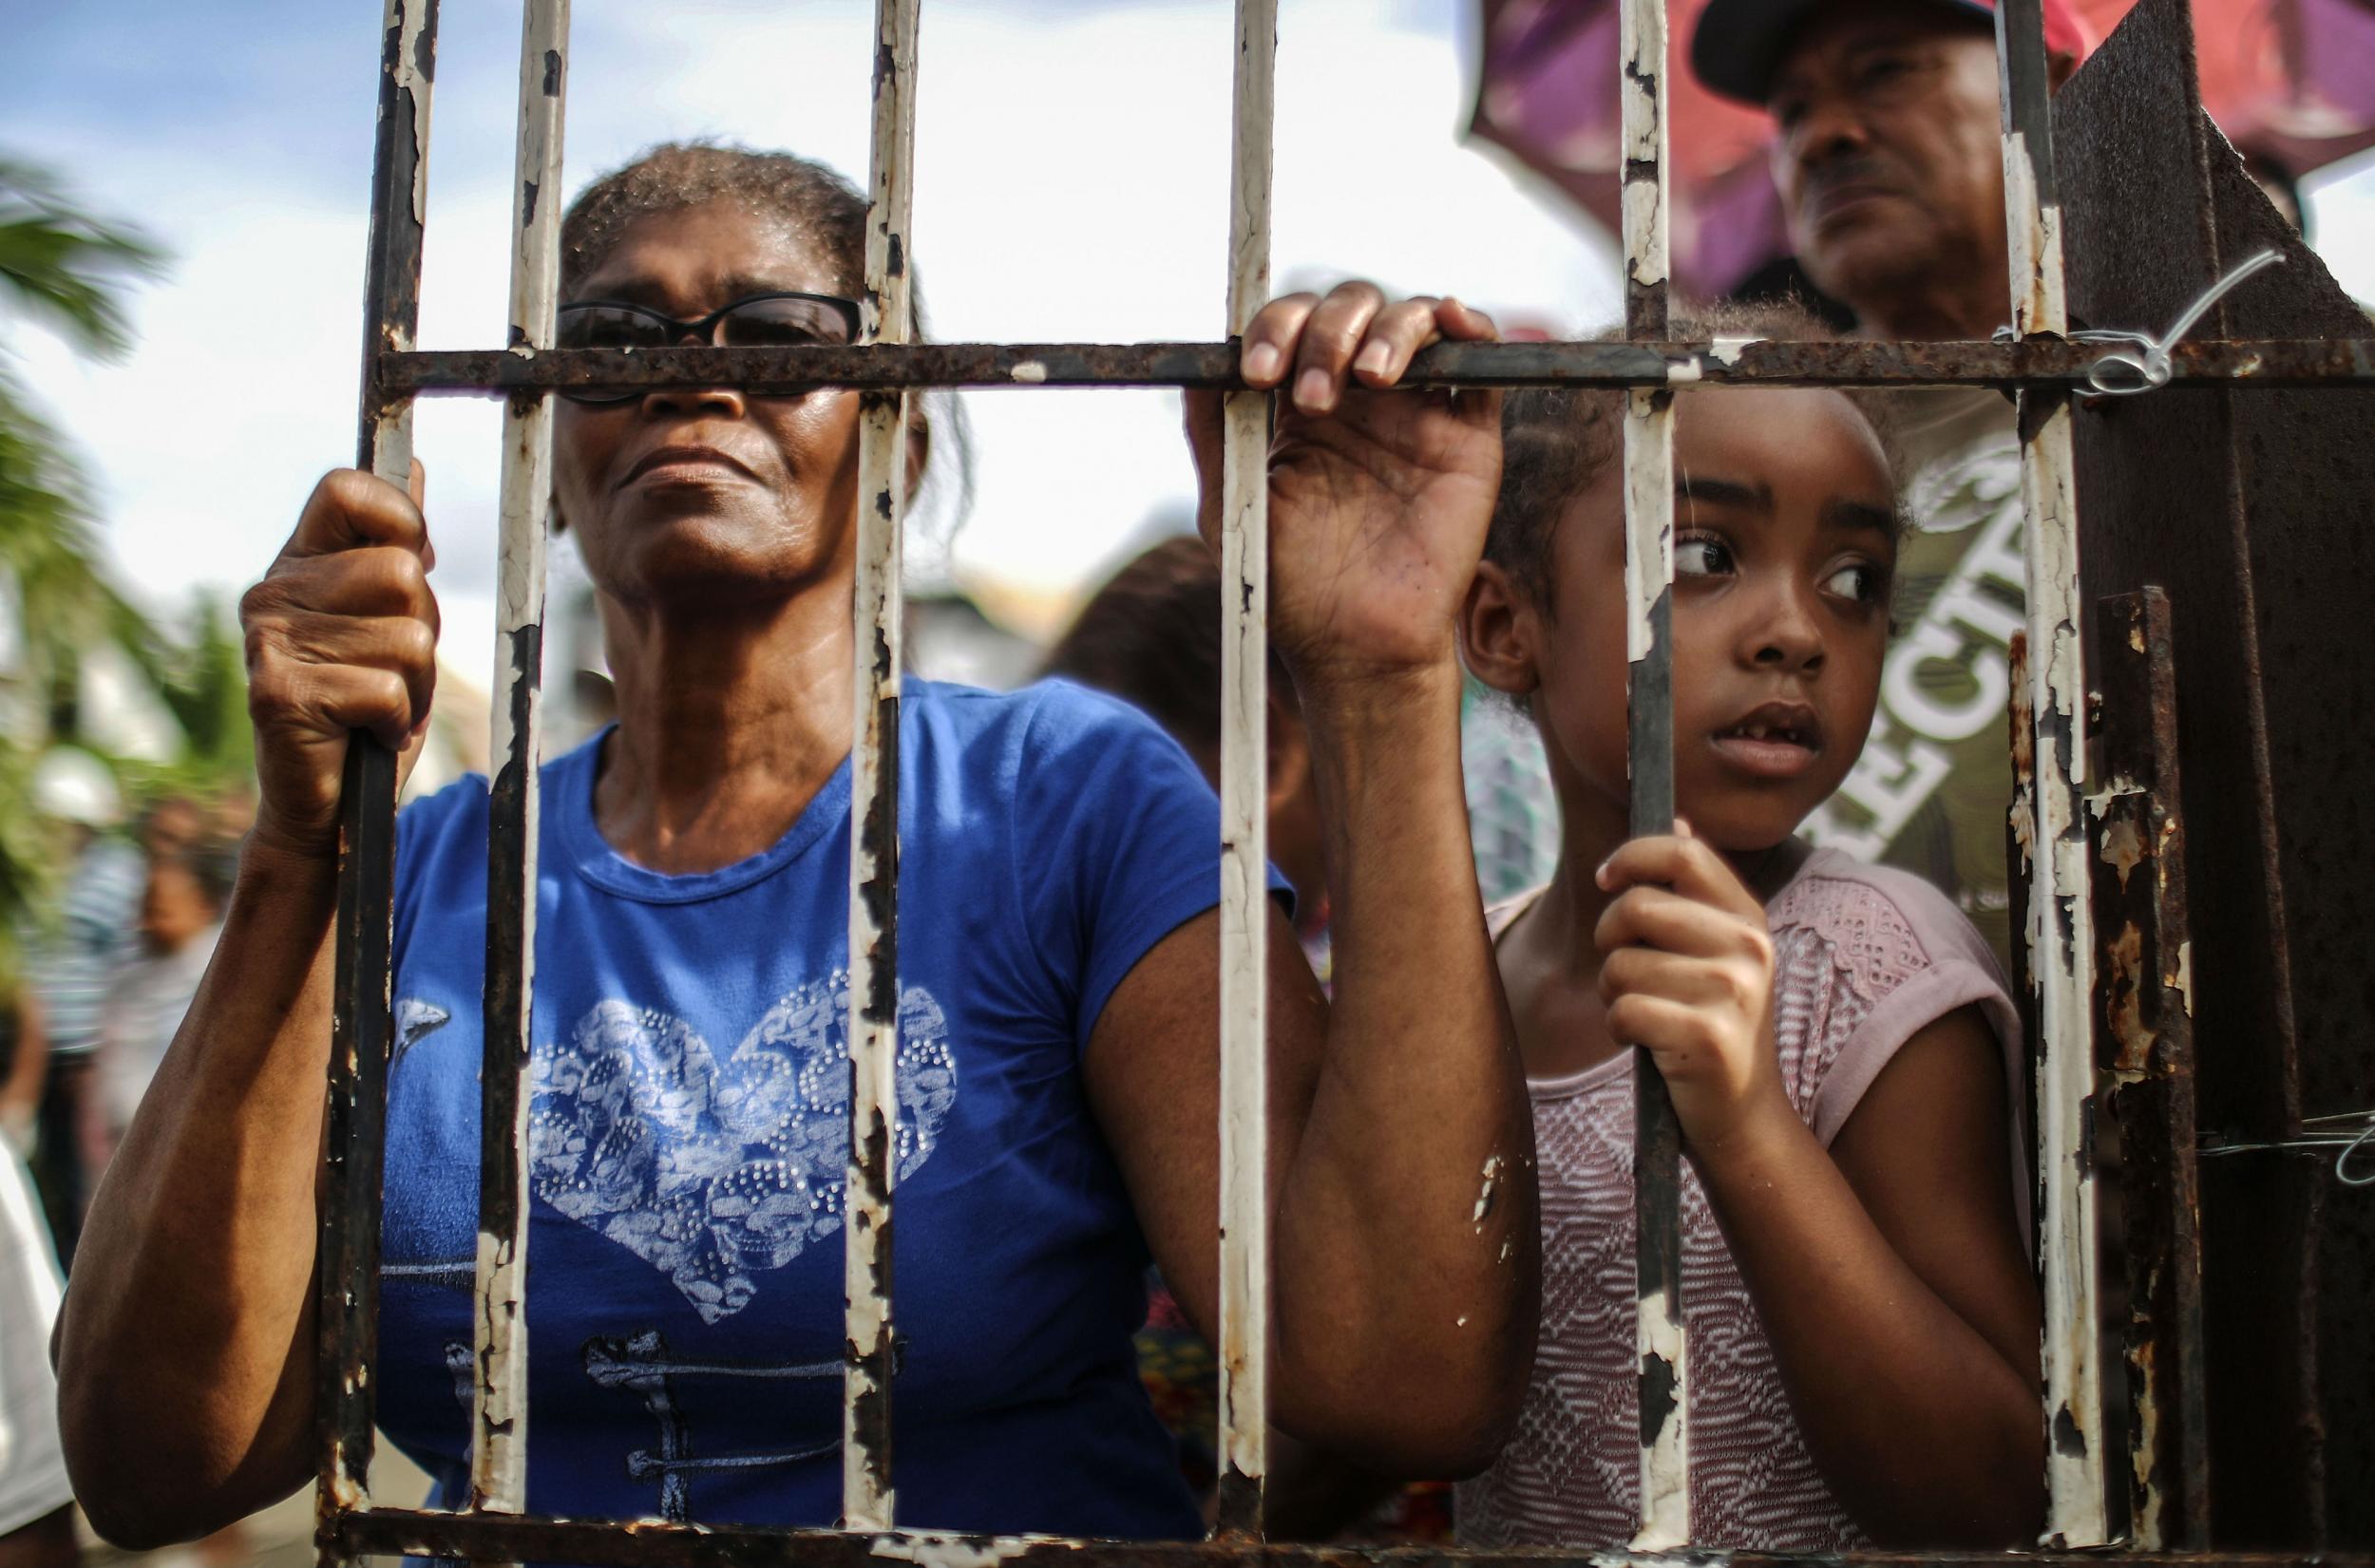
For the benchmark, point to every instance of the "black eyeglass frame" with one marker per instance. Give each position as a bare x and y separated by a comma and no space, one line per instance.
703,330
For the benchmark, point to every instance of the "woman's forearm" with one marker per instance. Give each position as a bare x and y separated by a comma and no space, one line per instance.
1927,1433
1406,1240
185,1347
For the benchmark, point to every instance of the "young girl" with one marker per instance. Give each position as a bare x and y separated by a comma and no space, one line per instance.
1838,1041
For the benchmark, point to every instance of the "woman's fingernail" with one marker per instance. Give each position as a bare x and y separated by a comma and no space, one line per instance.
1261,362
1374,359
1683,828
1311,390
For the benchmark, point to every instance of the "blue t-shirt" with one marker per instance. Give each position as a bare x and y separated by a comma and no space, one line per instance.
690,1131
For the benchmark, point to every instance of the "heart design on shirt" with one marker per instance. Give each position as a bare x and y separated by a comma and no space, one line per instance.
714,1172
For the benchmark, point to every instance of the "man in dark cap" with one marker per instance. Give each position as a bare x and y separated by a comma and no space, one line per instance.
1888,157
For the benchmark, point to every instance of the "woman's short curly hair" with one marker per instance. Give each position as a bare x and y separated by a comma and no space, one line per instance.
675,175
1555,442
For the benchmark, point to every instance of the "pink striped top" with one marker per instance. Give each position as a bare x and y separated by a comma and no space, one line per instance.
1865,957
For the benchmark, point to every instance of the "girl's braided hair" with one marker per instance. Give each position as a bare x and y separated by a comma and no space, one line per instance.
1556,441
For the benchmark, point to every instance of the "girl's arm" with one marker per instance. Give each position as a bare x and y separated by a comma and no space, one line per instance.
1888,1270
1404,1243
185,1349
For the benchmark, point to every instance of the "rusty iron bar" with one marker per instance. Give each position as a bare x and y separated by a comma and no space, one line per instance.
1244,1217
1662,1384
499,1400
2039,362
2058,921
650,1544
2146,1051
868,1497
362,1028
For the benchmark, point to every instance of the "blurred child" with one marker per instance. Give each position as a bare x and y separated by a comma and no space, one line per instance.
1838,1041
1151,637
181,909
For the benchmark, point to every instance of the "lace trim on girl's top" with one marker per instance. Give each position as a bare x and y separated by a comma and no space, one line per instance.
1870,939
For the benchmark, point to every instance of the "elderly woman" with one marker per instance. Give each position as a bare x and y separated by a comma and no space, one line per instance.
1059,1084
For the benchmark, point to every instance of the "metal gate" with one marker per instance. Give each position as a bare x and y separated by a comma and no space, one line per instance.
2111,964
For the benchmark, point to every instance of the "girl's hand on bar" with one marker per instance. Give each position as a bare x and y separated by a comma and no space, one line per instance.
340,635
1687,972
1378,498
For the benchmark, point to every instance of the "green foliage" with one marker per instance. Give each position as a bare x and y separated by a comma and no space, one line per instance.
65,266
62,268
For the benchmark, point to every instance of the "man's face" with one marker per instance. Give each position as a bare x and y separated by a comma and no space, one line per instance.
1889,162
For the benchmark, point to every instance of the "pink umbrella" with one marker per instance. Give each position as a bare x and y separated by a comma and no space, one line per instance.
2293,79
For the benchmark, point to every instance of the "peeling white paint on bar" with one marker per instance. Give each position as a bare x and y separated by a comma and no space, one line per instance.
2062,953
1648,512
1641,65
498,1317
1642,58
1245,765
869,1502
931,1549
2059,918
391,428
412,17
1666,1481
1658,1321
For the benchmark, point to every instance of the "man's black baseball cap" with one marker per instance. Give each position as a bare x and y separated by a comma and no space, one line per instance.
1739,43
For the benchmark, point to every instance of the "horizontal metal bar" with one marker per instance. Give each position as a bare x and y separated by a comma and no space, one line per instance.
631,1545
2045,361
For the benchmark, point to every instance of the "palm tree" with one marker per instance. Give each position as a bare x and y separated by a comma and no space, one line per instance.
68,269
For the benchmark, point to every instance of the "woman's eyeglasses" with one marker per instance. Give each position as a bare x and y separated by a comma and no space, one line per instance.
762,321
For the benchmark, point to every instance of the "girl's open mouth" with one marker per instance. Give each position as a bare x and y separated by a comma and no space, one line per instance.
1778,740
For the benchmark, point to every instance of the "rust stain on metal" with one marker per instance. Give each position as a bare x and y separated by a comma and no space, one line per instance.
2123,974
2146,1043
2122,849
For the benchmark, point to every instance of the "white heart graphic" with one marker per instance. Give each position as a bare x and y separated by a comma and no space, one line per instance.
714,1172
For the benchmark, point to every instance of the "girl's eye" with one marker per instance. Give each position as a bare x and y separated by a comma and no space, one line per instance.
1860,583
1701,558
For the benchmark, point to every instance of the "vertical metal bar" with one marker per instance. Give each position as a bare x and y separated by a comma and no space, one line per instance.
2137,859
498,1405
2061,934
868,1501
1663,1387
347,1310
1245,817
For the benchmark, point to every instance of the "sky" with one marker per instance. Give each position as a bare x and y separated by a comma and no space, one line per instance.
1071,185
